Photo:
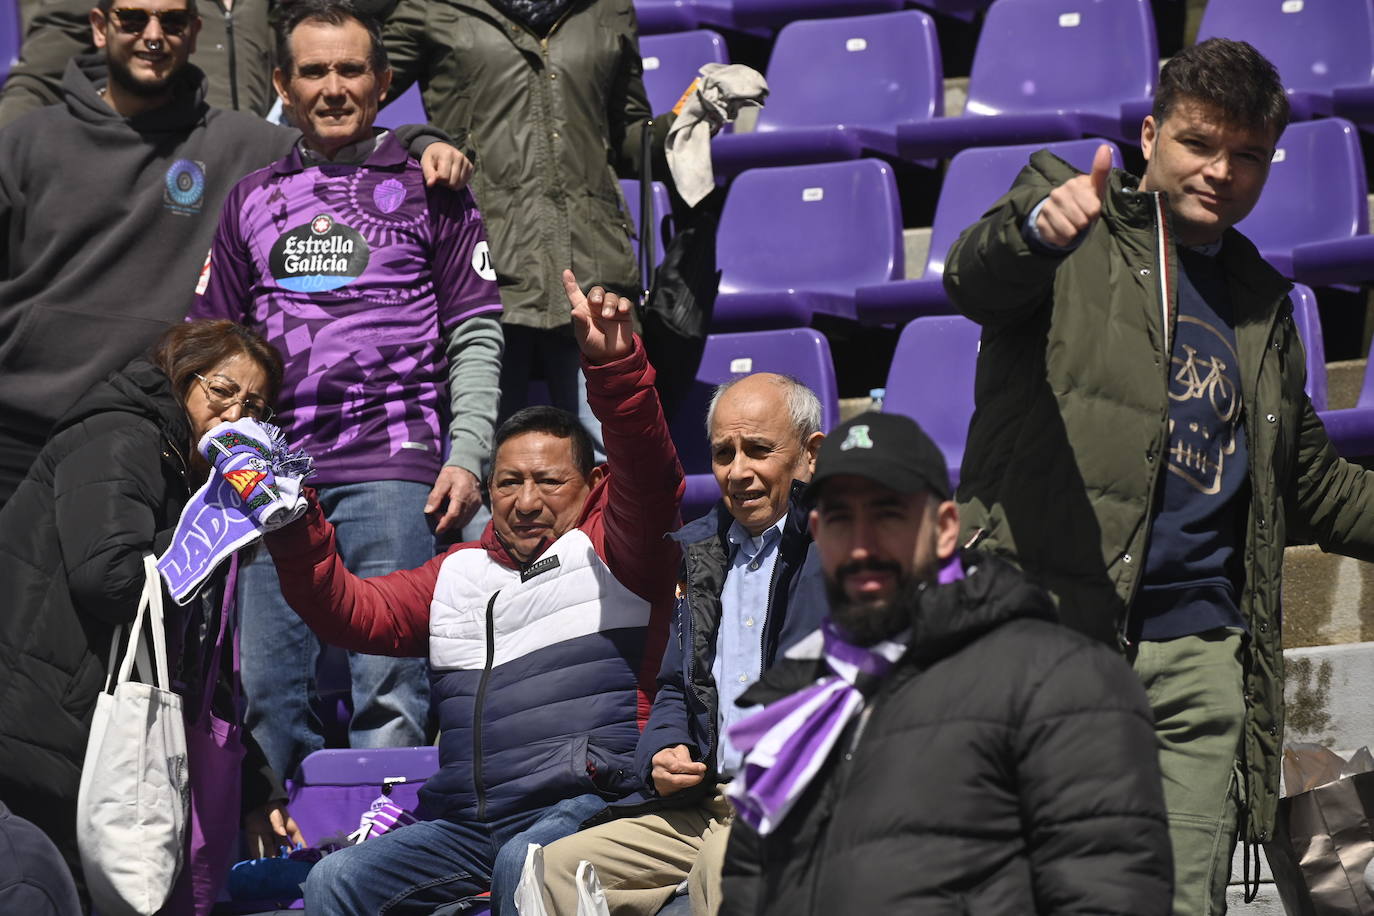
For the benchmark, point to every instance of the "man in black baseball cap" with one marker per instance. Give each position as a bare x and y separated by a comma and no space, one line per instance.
882,499
941,741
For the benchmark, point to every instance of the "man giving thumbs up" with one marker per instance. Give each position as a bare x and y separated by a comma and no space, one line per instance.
1142,445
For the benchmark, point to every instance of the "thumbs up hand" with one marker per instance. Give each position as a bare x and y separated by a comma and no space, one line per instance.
1076,204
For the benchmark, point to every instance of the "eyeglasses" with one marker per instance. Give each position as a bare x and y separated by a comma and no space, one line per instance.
133,20
221,397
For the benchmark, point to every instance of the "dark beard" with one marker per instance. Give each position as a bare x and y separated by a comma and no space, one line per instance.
121,74
866,623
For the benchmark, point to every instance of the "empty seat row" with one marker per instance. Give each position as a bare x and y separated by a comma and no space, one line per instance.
825,239
1092,72
765,16
872,85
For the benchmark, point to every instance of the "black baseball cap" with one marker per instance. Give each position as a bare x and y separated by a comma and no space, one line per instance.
887,448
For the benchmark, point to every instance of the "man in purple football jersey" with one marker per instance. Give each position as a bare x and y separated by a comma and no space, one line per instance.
380,294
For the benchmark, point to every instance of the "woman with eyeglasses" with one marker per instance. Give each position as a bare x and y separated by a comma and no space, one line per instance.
108,488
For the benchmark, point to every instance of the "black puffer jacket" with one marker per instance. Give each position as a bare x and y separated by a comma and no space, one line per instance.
1007,767
107,486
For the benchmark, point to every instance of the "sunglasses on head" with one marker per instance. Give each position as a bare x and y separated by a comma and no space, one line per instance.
133,20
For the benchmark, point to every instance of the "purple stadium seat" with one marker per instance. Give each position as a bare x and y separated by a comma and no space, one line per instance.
838,89
1309,325
772,14
408,108
11,36
960,9
975,180
333,788
1089,58
796,242
802,353
671,63
931,381
1312,221
717,12
656,16
662,215
1323,49
1351,430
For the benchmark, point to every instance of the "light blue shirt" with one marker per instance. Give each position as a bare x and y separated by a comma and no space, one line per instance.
739,641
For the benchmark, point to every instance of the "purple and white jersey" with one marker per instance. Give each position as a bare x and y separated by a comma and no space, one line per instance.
357,274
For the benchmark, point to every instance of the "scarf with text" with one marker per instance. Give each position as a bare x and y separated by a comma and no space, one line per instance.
254,487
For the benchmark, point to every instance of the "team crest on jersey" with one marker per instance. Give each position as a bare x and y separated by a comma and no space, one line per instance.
245,481
389,195
321,255
184,187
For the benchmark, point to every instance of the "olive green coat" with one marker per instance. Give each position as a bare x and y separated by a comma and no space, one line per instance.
551,121
1068,440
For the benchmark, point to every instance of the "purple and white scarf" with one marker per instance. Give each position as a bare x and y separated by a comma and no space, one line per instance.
786,743
254,487
382,817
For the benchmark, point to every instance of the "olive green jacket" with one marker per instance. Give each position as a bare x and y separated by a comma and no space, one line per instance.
551,122
1068,440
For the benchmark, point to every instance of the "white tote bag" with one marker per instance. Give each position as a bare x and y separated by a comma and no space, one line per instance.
131,812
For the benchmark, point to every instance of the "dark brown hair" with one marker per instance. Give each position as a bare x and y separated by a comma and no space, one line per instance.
552,421
195,347
290,14
1229,75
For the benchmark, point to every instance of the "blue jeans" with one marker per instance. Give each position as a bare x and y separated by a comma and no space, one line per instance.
556,351
380,528
426,865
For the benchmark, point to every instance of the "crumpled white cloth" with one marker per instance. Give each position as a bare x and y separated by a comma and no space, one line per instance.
720,94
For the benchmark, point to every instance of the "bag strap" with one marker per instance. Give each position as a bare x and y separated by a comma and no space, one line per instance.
648,228
149,607
210,673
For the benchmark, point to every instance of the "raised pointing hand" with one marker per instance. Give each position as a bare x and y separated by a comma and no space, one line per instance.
1076,204
602,322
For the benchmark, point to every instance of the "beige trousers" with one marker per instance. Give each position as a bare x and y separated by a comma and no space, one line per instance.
640,861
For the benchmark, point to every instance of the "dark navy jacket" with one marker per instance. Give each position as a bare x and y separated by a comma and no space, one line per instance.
685,706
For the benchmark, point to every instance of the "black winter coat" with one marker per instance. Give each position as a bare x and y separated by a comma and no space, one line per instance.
1007,766
109,485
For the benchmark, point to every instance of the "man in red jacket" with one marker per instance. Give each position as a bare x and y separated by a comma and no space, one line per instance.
543,638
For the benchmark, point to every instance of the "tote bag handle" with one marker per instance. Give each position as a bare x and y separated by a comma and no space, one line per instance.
149,608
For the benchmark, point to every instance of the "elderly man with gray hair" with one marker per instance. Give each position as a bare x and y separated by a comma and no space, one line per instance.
751,586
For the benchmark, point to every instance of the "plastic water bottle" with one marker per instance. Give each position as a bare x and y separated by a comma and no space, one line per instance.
875,397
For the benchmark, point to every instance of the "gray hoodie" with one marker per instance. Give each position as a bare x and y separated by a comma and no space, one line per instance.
105,223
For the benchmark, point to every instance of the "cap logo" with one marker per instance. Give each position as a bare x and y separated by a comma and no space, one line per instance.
858,438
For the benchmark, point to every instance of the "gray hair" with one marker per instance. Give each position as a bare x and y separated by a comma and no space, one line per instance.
803,407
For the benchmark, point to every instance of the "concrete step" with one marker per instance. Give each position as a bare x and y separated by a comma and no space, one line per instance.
916,246
1266,904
